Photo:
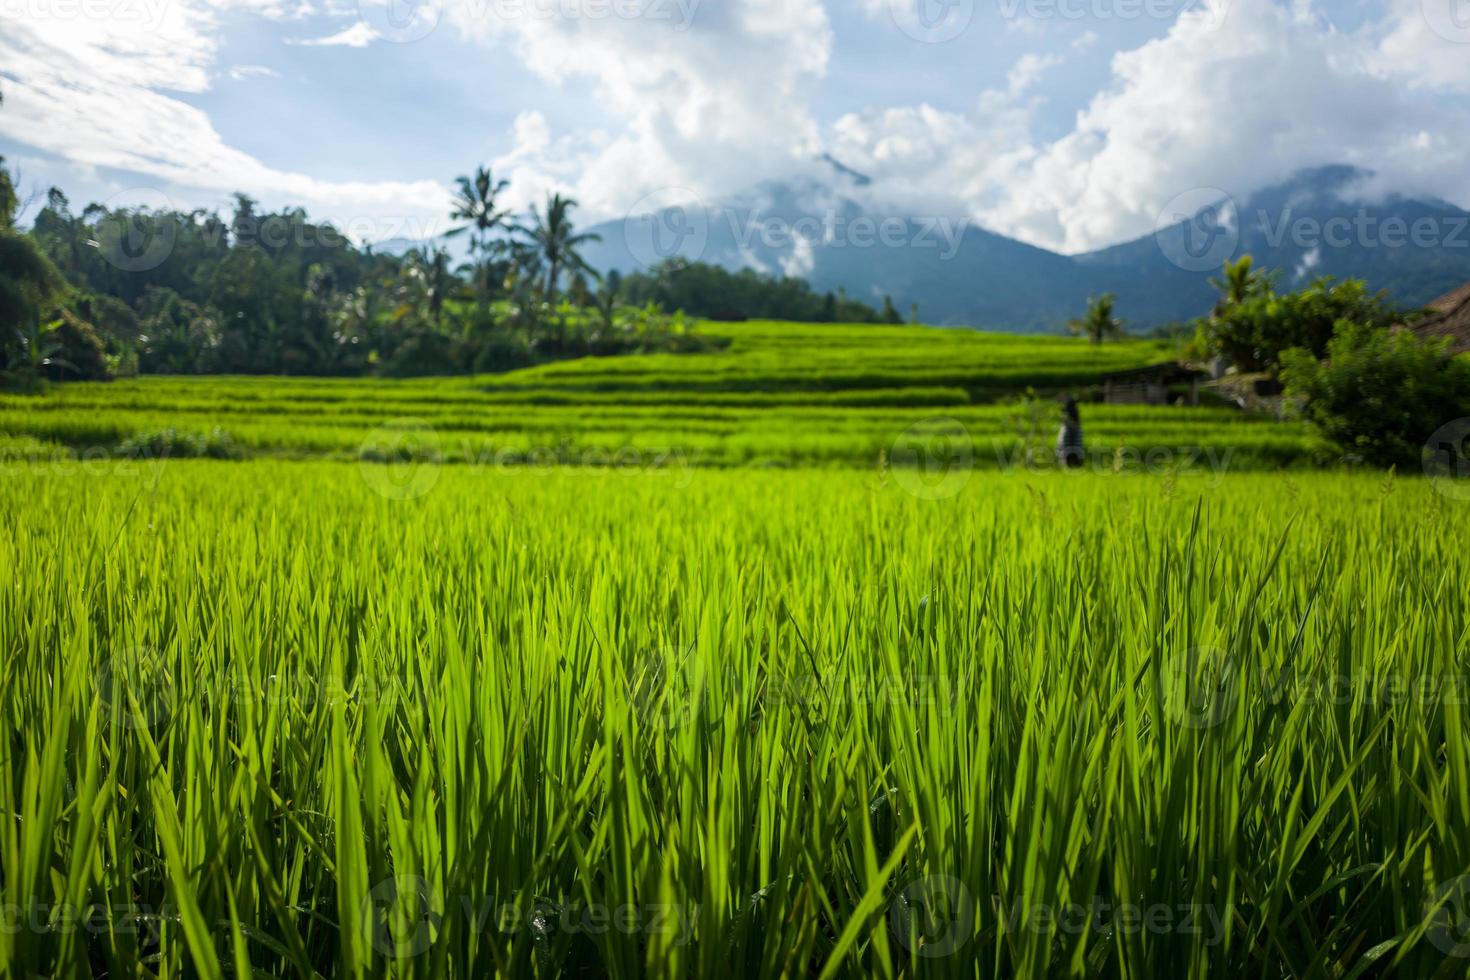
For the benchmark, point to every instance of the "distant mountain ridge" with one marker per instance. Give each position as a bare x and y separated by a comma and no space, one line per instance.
1317,223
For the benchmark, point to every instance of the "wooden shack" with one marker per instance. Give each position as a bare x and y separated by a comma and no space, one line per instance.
1152,385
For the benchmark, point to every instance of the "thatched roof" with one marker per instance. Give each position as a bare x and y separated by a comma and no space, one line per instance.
1450,319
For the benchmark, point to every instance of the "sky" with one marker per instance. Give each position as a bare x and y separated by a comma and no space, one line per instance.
1069,124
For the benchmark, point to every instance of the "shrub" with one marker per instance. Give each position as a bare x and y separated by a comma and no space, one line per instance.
1379,394
1254,332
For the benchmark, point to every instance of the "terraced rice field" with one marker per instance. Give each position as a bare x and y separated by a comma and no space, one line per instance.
783,394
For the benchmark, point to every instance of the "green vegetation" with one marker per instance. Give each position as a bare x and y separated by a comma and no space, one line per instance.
102,293
1378,394
1254,325
1099,323
704,290
306,719
781,393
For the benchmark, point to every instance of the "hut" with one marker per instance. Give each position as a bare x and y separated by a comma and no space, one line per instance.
1151,385
1450,317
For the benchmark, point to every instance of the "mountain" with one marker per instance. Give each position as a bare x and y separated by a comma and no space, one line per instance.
1321,222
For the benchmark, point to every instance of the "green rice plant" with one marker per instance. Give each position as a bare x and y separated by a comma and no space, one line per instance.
296,719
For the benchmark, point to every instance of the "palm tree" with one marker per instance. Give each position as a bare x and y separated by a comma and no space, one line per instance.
427,281
556,239
1240,281
1099,323
477,205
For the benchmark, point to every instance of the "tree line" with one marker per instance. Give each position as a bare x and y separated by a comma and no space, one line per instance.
96,293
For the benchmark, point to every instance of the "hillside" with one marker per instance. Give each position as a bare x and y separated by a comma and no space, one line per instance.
780,394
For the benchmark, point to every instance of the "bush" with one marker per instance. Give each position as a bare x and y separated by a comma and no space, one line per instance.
1255,331
1379,394
78,353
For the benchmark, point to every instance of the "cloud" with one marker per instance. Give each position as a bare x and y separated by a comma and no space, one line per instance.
359,35
239,73
703,96
1238,102
99,93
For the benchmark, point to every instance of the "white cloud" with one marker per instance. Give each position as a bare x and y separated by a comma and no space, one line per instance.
239,73
708,96
359,35
1238,102
99,93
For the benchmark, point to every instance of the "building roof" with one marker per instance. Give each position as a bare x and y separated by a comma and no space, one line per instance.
1170,372
1451,319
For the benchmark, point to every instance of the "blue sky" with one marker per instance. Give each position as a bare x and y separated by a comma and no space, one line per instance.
1066,123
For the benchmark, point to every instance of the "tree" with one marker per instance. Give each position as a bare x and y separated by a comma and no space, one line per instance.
1239,281
477,205
1099,323
890,312
1379,394
556,239
1254,332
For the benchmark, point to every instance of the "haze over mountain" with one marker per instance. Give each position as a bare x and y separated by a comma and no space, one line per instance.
1323,221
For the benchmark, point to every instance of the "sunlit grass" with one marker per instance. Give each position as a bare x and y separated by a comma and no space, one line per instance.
305,719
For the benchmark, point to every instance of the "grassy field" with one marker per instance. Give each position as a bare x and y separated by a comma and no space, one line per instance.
783,394
279,719
894,703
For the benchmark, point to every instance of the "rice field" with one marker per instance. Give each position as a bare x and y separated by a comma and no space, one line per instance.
298,719
782,394
793,659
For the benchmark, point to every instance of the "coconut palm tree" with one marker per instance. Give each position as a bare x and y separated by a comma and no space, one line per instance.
555,237
1099,323
1240,281
477,205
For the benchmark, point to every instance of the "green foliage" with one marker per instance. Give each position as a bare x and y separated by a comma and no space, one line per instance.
274,719
30,286
1240,282
1099,323
77,353
760,393
715,293
1254,331
1379,394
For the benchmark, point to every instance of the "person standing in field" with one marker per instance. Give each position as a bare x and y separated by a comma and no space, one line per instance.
1070,450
